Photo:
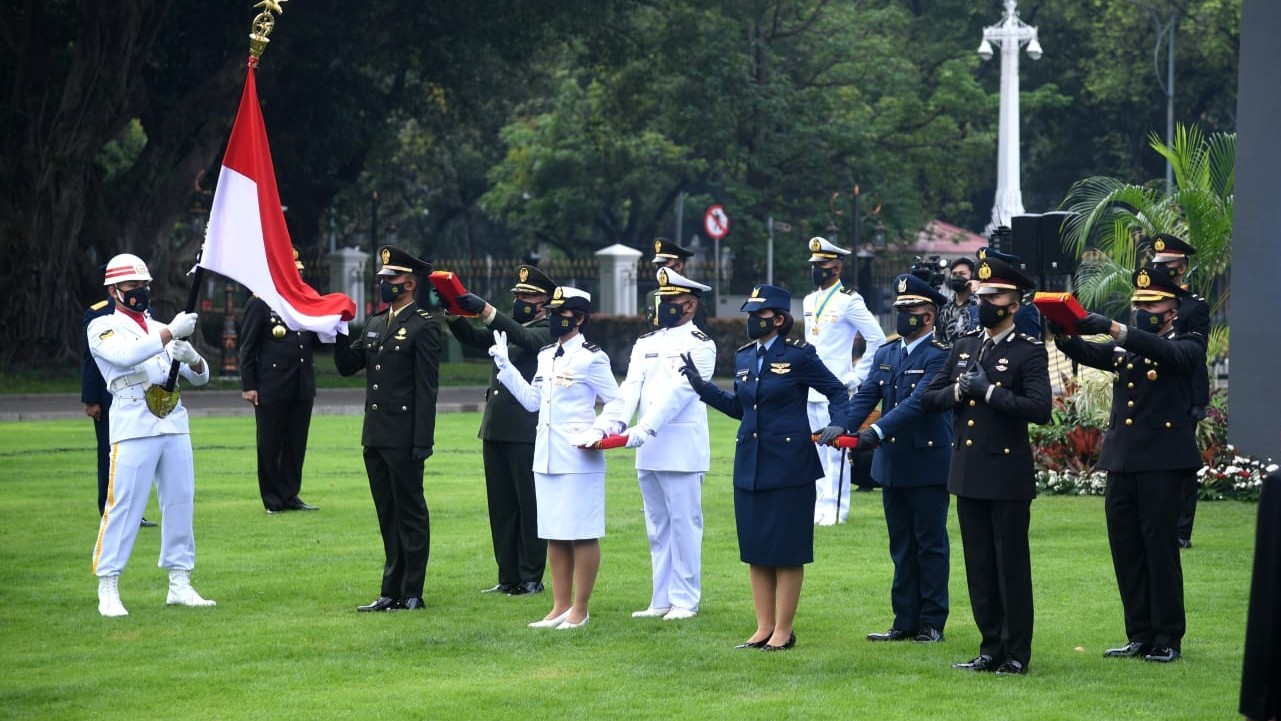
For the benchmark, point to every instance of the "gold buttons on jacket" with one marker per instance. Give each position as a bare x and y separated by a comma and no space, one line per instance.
971,403
970,423
378,367
1130,384
1129,404
1007,451
787,439
968,442
1129,366
374,406
1129,421
375,386
1151,375
893,439
1167,424
753,435
404,408
929,444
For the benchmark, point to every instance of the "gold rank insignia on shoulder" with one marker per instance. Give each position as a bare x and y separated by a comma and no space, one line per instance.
106,334
1143,280
780,368
278,331
902,284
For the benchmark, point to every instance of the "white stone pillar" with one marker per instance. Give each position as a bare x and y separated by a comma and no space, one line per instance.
347,275
617,280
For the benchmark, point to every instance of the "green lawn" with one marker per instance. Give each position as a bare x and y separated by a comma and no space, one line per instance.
285,642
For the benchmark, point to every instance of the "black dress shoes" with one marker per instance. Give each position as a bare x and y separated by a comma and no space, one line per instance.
791,641
894,634
299,505
501,588
411,604
382,603
1011,668
1161,654
753,644
928,634
982,662
527,588
1129,650
273,510
146,524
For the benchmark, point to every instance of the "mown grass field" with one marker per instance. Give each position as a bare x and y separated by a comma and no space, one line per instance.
285,642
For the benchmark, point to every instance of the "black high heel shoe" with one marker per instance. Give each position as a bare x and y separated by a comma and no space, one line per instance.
791,641
753,644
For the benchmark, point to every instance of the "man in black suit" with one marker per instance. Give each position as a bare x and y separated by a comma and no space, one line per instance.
996,381
1172,255
1150,454
400,353
278,376
507,430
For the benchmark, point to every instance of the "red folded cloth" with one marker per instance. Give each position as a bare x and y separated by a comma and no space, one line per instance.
1062,308
448,287
841,441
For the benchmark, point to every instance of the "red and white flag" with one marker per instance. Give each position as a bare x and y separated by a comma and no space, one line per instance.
247,239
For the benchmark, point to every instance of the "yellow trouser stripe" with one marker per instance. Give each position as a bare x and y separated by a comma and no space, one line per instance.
106,510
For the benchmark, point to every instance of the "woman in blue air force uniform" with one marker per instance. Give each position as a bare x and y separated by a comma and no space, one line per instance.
775,462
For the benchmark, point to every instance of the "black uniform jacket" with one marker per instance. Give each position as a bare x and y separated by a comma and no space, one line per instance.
505,418
402,369
991,455
1194,317
1151,428
275,361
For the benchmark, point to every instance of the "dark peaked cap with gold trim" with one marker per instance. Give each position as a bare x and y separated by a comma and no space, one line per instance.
1170,247
532,280
665,250
1152,283
396,261
998,276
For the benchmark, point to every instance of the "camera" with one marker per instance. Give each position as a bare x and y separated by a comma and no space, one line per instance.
932,270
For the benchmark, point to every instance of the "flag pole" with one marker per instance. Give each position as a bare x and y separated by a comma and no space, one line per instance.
263,23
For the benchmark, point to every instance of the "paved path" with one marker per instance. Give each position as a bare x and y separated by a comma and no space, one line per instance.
329,401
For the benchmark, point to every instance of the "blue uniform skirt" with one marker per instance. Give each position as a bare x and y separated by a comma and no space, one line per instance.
775,528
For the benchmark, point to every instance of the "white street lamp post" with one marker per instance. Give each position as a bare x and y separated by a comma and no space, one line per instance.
1010,34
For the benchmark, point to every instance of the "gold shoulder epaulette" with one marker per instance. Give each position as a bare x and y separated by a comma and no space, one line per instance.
99,305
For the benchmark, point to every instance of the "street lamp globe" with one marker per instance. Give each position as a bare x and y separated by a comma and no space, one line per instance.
985,50
1034,49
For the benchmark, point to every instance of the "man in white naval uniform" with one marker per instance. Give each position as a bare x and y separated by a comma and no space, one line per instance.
833,315
673,452
134,353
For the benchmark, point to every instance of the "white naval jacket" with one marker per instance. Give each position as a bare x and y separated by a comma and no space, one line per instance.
564,392
130,360
664,401
832,317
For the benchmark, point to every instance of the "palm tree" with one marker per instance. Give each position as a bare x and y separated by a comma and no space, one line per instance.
1111,218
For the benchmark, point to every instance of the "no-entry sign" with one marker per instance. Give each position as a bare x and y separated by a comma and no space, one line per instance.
716,222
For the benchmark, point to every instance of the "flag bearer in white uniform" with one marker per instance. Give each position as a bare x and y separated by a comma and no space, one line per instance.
670,435
569,477
149,435
833,315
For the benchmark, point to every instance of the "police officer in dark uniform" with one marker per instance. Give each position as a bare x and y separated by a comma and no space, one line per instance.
1028,319
97,403
507,430
670,255
911,462
400,353
1172,255
278,377
996,381
1150,454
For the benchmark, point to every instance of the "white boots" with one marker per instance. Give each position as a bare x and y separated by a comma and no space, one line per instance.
181,593
109,604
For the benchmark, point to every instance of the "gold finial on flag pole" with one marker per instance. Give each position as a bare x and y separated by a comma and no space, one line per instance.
263,24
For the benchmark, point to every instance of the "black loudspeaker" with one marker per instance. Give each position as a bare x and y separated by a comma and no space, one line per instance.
1055,259
1027,243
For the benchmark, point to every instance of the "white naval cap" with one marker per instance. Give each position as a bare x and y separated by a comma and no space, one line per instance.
821,250
672,283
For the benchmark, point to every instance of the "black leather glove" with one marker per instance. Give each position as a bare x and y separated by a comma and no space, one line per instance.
1094,324
471,303
690,371
1055,328
829,434
422,453
867,438
975,383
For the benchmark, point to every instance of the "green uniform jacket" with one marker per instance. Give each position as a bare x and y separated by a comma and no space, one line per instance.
505,418
402,377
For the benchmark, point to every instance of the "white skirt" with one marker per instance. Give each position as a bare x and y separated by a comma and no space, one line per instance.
571,506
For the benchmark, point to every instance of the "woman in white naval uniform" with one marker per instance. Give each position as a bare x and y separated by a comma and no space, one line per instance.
134,352
673,449
569,477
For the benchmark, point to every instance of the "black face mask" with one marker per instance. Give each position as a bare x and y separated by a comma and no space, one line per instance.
670,313
957,283
822,275
908,324
391,291
136,300
758,327
990,315
523,311
1149,321
562,325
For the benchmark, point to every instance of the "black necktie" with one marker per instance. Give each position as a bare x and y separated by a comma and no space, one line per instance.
760,357
987,346
560,351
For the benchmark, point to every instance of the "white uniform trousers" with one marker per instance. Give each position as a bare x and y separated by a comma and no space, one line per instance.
836,472
134,464
674,524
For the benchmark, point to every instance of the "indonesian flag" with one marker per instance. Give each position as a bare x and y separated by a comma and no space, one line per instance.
247,240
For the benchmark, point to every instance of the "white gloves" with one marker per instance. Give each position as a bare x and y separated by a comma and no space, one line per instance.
183,325
636,436
587,438
498,351
181,351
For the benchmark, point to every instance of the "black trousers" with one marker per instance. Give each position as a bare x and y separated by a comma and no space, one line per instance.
917,522
998,570
513,511
1142,513
1187,515
283,424
396,484
102,430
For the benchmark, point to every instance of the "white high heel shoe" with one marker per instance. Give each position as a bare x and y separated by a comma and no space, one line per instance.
566,626
553,622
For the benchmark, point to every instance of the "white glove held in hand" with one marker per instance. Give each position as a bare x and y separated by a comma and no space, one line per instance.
636,436
181,351
183,325
498,351
587,438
